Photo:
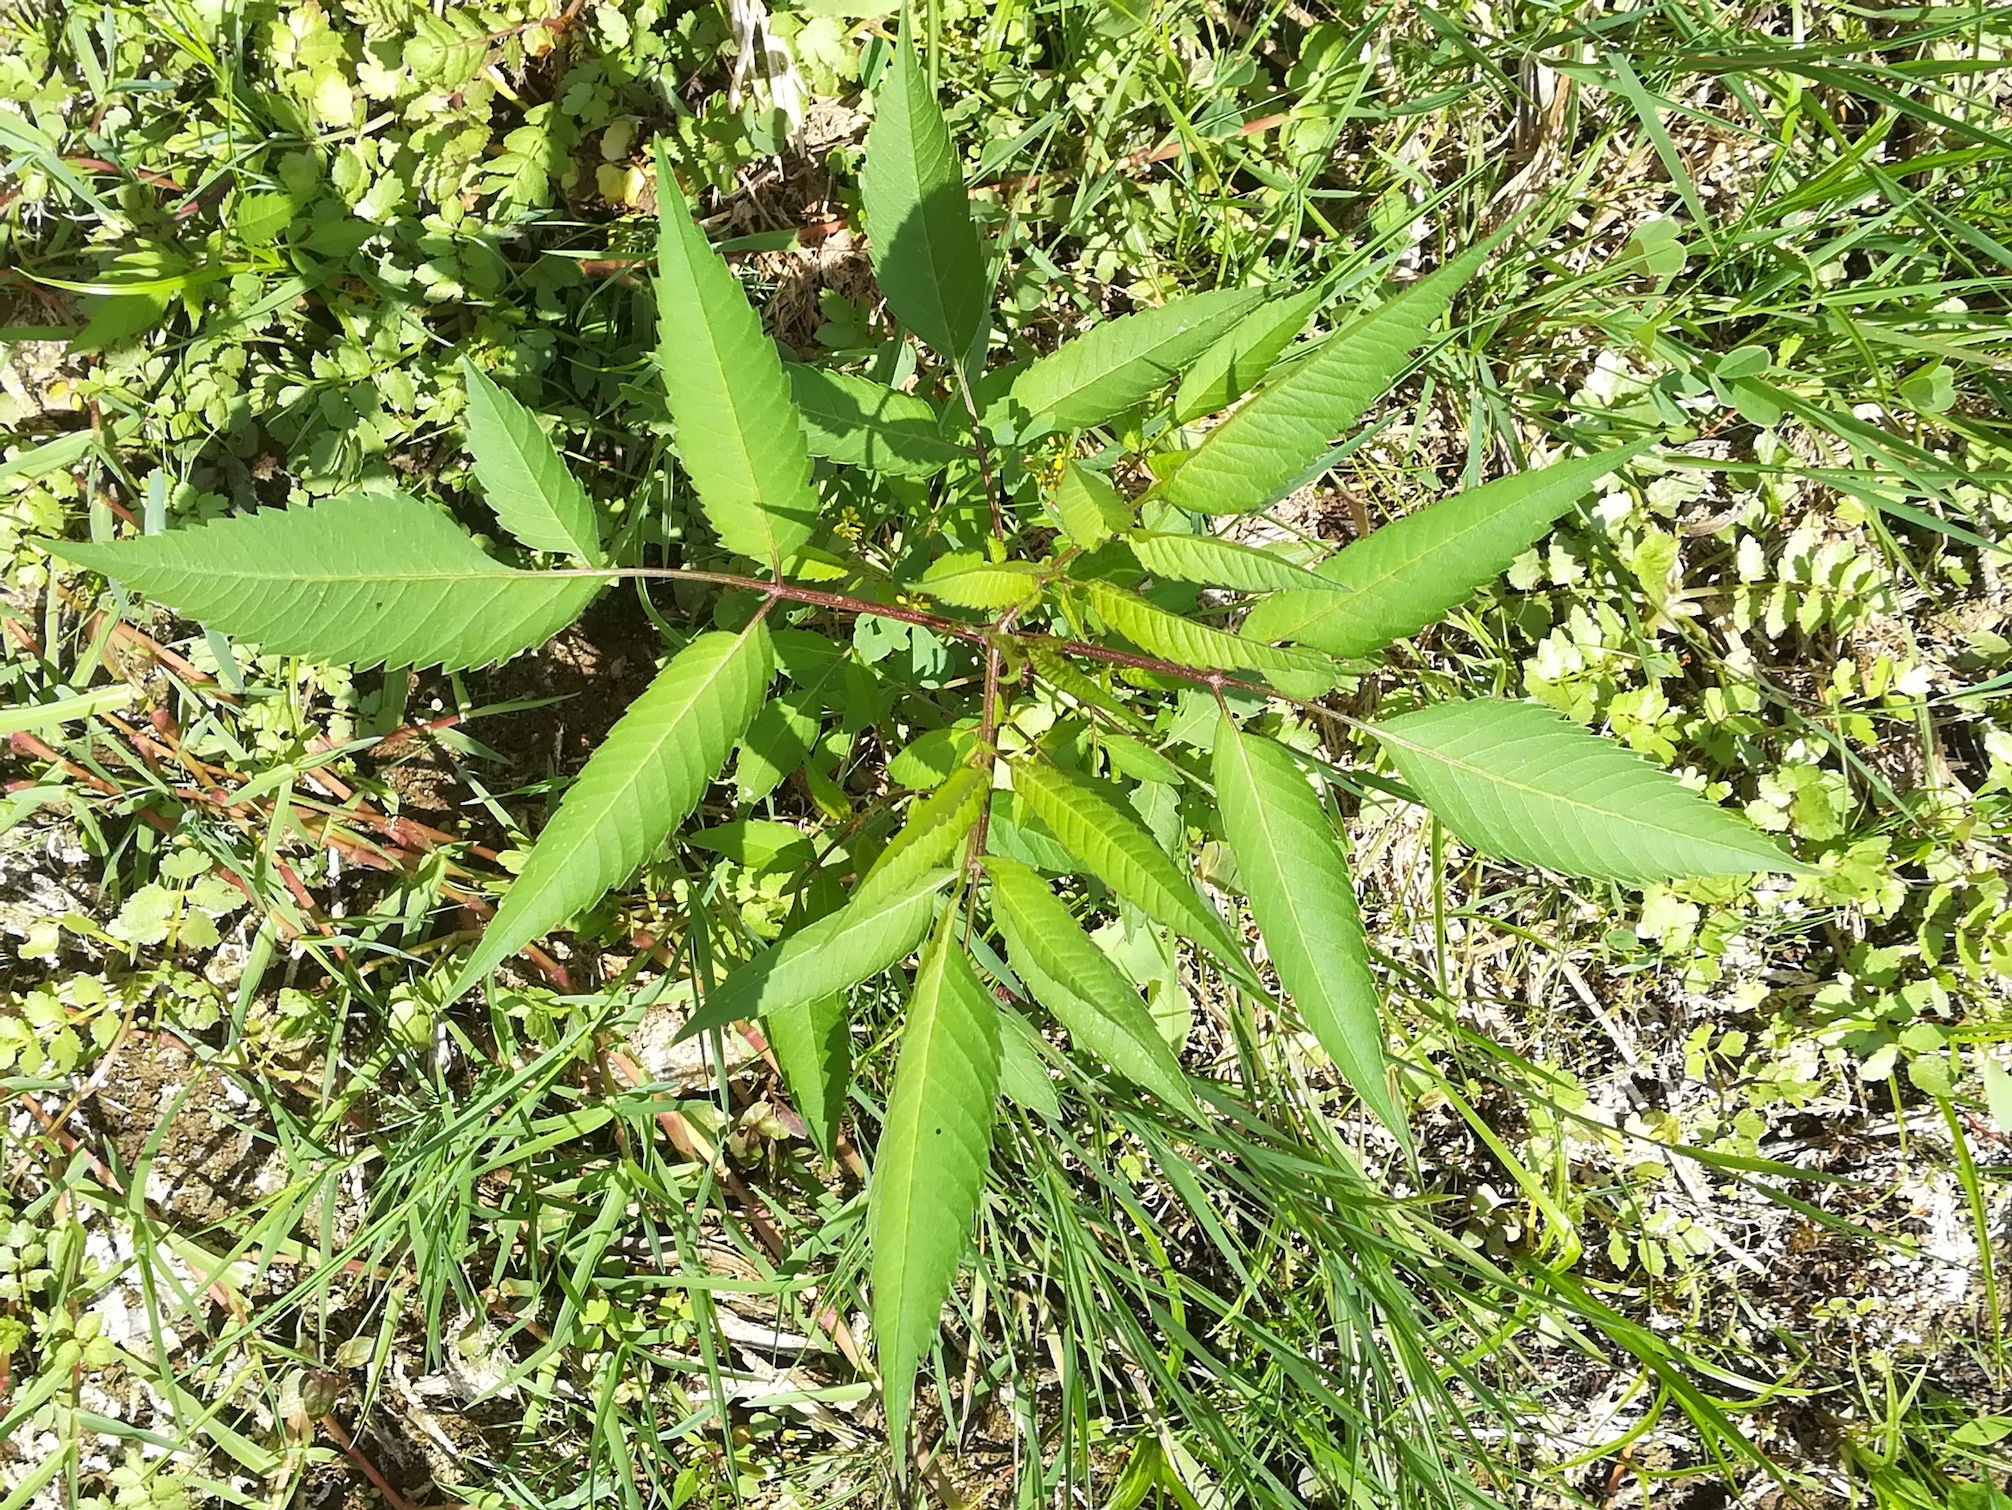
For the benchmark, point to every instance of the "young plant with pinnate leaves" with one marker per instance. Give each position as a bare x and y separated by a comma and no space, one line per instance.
1067,596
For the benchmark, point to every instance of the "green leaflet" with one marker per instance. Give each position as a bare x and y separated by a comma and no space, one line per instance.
929,1168
738,433
1245,461
969,579
862,423
833,954
1117,365
355,579
1298,673
1222,563
1291,862
1228,369
1066,679
777,742
918,217
934,834
1112,845
1023,1077
1089,506
812,1044
1077,982
648,774
1524,783
1398,579
928,759
523,478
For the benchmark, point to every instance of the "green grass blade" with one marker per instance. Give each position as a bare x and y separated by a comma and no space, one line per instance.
523,478
1080,985
918,216
1242,463
1523,783
358,579
1117,365
1301,894
738,432
929,1167
1398,579
835,953
637,787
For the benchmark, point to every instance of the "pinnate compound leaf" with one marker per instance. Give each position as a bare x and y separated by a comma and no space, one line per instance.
1245,461
354,580
1291,862
1089,506
1299,673
1080,985
1525,783
1111,844
738,433
1117,365
969,579
1398,579
812,1044
523,477
918,216
643,781
1242,355
861,423
929,1168
1211,562
835,953
934,834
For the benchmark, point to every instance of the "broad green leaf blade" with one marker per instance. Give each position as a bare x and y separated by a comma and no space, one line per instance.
1398,579
1211,562
833,954
1241,356
929,1168
1524,783
1117,365
738,433
524,479
777,742
354,580
861,423
1244,462
934,834
812,1044
1066,679
1023,1078
643,781
1299,673
1089,506
1078,983
918,216
1112,845
1291,862
969,579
